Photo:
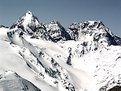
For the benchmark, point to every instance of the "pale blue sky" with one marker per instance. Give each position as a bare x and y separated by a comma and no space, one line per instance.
65,11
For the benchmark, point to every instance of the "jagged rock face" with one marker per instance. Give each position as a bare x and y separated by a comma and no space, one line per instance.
2,26
116,88
98,31
52,31
95,30
85,57
74,31
38,60
57,31
91,36
11,81
118,40
30,25
28,22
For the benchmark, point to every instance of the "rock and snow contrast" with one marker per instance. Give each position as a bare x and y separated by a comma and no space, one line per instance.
35,56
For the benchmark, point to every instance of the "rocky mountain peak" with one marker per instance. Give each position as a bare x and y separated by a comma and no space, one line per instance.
57,31
84,57
29,12
28,23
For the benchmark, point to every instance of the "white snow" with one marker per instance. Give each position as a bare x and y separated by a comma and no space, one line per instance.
89,71
10,60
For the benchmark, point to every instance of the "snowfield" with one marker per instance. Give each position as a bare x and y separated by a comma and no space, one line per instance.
47,57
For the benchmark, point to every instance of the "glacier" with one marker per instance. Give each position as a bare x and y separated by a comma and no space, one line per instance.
36,56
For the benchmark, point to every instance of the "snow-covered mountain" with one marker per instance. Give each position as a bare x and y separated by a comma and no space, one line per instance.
92,35
48,57
30,24
57,31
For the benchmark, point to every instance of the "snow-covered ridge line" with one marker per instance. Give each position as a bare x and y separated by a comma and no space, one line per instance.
49,57
55,32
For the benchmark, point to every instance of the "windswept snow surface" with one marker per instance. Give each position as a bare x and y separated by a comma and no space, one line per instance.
48,57
11,81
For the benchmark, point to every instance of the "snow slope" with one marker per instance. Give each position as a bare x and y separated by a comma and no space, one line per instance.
10,81
48,57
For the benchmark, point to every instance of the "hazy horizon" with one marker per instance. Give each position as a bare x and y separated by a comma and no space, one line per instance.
65,11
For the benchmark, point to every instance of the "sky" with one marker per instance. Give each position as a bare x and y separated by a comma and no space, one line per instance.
65,11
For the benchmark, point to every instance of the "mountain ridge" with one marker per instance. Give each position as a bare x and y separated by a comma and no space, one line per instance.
84,57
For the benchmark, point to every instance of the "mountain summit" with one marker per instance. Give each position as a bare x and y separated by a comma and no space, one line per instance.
35,56
57,31
94,30
28,22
